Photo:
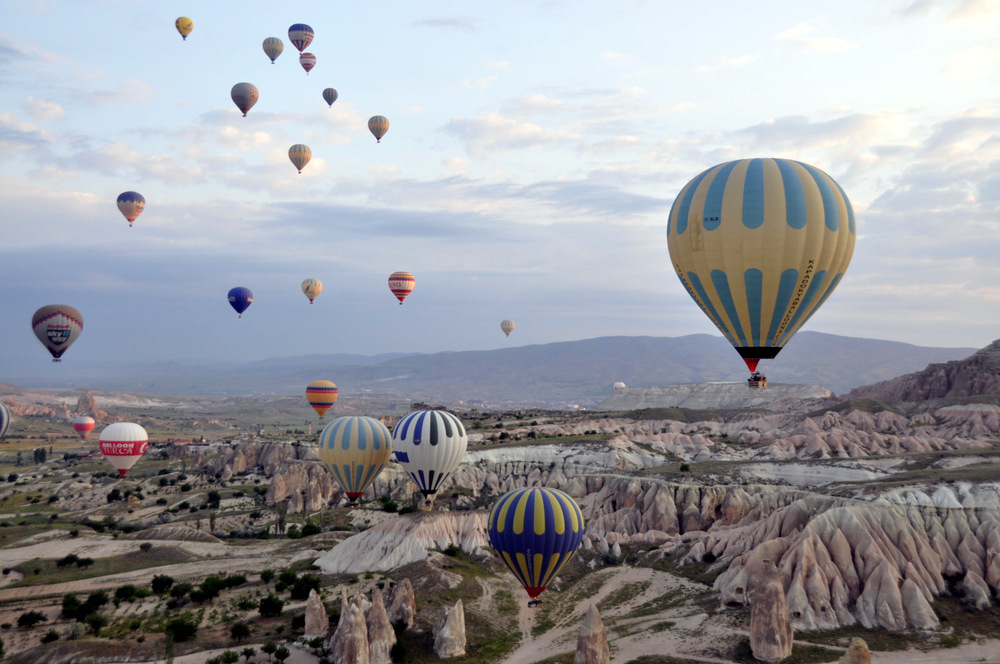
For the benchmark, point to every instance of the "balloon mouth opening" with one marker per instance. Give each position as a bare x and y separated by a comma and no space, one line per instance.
121,472
751,363
533,593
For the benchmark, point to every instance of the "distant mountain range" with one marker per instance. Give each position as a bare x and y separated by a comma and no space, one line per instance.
546,375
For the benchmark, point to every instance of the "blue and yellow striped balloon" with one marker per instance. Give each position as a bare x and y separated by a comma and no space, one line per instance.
355,449
536,531
760,244
4,420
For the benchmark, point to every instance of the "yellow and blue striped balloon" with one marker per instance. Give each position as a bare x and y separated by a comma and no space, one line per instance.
4,420
299,155
273,47
536,531
760,244
355,449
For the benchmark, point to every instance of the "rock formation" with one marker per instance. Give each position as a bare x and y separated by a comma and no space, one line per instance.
592,643
402,605
449,632
770,624
857,653
381,637
349,644
87,405
405,539
317,622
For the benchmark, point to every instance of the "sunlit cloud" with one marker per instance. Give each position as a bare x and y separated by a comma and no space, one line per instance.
493,132
41,110
801,37
727,63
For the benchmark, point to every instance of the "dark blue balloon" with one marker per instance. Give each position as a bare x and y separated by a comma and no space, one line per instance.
240,298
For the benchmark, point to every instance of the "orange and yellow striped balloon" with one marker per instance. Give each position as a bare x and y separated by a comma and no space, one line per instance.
321,394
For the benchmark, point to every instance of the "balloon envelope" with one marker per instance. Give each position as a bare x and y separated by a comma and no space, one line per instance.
378,125
273,47
301,35
330,96
760,244
131,204
57,326
430,444
401,284
300,155
312,288
507,325
4,420
184,26
321,395
244,95
122,443
83,425
355,449
618,387
240,298
308,61
536,531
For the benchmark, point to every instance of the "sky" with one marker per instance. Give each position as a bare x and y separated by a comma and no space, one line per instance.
534,152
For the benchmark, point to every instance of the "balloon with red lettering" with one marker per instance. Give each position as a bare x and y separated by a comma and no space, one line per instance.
123,443
759,245
536,531
401,284
83,425
57,326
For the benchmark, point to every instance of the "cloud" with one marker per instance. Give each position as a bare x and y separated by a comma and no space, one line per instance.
800,37
18,136
454,23
727,63
41,110
493,133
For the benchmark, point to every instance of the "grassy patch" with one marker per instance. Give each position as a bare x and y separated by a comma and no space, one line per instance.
621,595
49,573
670,599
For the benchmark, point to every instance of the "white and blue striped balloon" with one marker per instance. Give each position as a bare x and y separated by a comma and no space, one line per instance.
430,444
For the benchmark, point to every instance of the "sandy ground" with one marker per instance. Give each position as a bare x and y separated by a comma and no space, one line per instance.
987,652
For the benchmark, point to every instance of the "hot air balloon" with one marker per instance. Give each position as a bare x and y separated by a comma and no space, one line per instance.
378,125
330,96
300,155
507,325
57,326
308,61
83,425
131,204
430,444
273,47
760,244
321,395
401,284
312,288
355,449
240,298
301,35
4,420
536,531
122,443
244,95
184,26
618,387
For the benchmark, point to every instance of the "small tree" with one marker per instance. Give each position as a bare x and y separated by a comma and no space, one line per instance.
96,622
282,653
267,575
145,547
269,648
271,606
239,631
161,583
248,654
30,619
229,657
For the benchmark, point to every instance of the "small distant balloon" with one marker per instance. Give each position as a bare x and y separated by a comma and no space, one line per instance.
131,204
184,26
300,155
401,284
378,125
507,325
4,420
321,395
57,326
273,47
83,425
308,61
618,387
244,95
123,443
312,288
301,35
330,96
240,298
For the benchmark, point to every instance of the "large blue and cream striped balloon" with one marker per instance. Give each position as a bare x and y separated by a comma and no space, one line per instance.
355,449
536,531
760,244
4,420
429,444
